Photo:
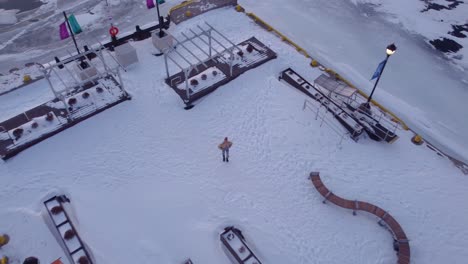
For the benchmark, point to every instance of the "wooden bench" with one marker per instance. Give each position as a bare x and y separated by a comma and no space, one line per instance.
399,236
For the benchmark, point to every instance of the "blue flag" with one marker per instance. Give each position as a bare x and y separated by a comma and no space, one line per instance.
379,69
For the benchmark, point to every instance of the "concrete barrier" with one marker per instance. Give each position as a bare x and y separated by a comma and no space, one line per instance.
192,8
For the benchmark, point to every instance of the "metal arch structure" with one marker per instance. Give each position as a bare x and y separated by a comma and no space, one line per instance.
79,93
67,78
208,36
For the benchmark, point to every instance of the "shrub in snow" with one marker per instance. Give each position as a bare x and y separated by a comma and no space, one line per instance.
31,260
69,234
99,89
34,125
250,48
194,82
83,260
203,77
4,239
85,95
49,117
17,133
240,53
72,101
26,78
56,210
215,73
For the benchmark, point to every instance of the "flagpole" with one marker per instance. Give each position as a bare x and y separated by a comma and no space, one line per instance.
390,51
71,32
376,82
161,33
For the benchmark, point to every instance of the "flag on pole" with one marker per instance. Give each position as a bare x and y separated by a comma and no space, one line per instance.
75,27
379,69
74,24
63,31
150,4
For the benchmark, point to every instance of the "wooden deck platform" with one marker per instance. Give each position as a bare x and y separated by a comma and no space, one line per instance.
10,145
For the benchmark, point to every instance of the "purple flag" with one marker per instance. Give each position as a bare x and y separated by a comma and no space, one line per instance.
63,31
150,4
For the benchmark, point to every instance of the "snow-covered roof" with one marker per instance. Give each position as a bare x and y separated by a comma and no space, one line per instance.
335,86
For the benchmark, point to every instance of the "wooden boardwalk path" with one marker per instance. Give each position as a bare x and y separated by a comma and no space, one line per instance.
401,242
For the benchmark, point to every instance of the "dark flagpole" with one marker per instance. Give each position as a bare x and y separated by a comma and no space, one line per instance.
71,32
160,21
376,82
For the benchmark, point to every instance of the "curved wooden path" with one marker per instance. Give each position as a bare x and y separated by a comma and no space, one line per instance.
401,242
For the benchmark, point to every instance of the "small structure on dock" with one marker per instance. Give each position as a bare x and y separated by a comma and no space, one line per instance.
236,247
341,102
82,88
63,225
208,59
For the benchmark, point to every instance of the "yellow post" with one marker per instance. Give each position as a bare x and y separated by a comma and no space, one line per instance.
26,78
417,140
239,8
4,260
4,239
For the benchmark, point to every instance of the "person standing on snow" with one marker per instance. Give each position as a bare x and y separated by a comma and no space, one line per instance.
224,147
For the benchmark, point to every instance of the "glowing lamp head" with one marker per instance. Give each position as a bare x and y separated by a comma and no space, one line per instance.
391,49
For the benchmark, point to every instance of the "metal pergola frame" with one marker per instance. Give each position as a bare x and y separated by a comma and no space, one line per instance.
172,54
79,58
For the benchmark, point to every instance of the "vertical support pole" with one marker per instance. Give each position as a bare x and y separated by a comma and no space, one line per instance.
209,41
71,74
80,83
106,68
167,65
317,113
121,82
71,32
60,97
186,84
160,20
231,63
323,117
376,82
50,83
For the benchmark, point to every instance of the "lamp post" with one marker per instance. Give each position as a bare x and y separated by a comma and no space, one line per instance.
390,51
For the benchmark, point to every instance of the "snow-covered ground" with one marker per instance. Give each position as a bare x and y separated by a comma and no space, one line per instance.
419,84
148,185
15,79
18,101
